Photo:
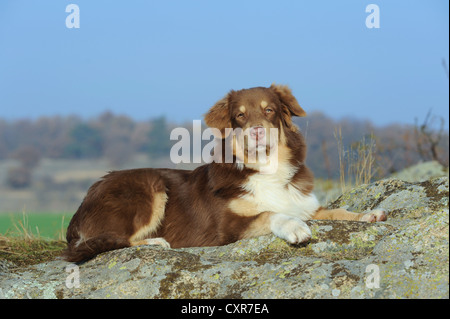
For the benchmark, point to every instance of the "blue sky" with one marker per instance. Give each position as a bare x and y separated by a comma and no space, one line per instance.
176,58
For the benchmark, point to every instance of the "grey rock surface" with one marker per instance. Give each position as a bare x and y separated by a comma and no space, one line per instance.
405,257
421,172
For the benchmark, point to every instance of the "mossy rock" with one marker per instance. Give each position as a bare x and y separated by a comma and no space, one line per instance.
408,254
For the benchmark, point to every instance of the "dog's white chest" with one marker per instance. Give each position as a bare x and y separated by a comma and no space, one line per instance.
271,192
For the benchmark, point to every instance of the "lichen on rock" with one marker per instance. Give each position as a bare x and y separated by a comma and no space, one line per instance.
404,257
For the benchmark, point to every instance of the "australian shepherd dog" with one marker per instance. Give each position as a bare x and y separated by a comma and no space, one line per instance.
256,184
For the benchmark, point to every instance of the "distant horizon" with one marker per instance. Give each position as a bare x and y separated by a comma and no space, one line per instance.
190,121
147,59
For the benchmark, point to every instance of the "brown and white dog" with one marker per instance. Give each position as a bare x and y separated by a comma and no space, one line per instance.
217,203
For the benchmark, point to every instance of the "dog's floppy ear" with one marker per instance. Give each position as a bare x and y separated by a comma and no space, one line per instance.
218,116
288,100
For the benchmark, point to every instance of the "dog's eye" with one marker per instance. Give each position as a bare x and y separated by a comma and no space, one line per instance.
268,110
240,115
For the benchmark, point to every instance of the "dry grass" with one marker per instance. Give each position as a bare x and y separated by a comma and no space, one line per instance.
28,248
23,252
357,164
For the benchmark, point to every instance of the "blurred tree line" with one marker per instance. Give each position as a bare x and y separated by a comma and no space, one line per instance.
118,138
393,147
115,137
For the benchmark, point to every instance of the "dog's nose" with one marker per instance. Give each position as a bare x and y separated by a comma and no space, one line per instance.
257,132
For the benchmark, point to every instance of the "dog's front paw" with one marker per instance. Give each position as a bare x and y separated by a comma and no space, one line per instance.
376,215
293,230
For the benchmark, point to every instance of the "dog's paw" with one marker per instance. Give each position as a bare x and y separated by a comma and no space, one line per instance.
293,230
376,215
158,242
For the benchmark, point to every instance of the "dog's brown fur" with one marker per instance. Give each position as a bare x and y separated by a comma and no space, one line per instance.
215,204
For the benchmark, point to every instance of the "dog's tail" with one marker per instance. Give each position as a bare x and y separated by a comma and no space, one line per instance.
81,250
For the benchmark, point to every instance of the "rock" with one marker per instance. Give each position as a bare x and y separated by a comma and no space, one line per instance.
405,257
5,265
421,172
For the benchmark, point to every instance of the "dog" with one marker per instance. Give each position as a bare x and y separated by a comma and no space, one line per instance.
264,187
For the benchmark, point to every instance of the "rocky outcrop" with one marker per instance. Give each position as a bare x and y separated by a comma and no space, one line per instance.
421,172
405,257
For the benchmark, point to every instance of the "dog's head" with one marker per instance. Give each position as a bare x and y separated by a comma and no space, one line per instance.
257,119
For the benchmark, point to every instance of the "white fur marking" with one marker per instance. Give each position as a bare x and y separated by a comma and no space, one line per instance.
292,229
375,215
81,240
272,192
159,241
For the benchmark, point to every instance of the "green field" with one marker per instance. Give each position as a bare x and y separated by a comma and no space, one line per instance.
42,225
